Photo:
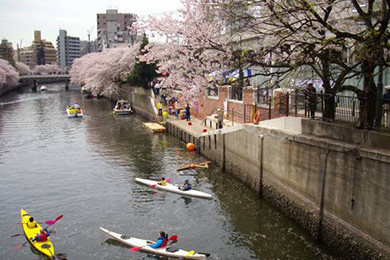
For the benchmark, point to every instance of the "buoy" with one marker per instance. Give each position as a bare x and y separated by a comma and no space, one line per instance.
192,166
189,123
190,146
204,130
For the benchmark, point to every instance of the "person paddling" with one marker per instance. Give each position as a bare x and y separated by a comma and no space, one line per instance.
161,241
186,185
31,223
162,182
42,236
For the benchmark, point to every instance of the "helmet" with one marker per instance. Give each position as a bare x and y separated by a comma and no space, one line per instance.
186,180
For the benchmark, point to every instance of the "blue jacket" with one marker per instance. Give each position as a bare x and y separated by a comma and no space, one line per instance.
159,242
186,187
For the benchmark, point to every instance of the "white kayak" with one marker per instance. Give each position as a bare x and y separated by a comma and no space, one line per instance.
175,189
136,242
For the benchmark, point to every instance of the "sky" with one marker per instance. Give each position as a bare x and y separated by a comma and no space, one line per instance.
19,18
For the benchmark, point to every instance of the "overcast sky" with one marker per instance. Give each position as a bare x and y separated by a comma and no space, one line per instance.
19,18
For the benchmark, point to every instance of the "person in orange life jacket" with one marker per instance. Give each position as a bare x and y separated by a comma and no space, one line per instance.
186,186
31,223
161,241
42,236
162,182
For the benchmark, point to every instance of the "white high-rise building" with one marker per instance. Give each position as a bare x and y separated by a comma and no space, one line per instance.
115,29
68,49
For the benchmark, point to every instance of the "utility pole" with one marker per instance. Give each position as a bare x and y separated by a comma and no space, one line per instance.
89,42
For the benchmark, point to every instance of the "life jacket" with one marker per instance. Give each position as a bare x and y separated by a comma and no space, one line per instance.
42,237
165,241
163,183
31,224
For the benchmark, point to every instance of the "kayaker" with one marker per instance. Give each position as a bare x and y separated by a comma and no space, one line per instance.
161,241
162,182
31,223
42,236
186,185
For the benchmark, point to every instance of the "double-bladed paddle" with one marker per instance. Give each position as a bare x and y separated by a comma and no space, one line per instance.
168,180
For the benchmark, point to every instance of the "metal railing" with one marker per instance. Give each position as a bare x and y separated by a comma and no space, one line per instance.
297,103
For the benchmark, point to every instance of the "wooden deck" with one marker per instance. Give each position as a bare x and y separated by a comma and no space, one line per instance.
154,127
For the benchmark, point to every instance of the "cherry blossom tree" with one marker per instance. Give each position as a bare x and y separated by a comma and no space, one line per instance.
193,48
9,77
22,68
47,68
103,72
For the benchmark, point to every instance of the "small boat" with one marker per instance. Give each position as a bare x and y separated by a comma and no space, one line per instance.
45,247
74,111
43,88
175,189
122,107
136,242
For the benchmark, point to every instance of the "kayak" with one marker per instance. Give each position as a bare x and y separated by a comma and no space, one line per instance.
175,189
136,242
46,247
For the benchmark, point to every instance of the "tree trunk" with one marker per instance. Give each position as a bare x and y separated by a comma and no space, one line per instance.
368,101
329,111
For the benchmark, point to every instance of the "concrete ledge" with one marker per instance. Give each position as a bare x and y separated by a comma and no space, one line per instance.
346,134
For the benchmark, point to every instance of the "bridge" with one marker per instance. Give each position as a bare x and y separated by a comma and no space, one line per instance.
48,76
34,79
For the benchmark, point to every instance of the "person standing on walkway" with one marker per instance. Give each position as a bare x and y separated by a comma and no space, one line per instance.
220,118
160,108
188,113
311,97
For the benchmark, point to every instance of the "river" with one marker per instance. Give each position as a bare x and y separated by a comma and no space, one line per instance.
84,169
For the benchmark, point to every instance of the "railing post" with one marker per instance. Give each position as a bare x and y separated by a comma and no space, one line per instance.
353,106
322,105
269,108
296,102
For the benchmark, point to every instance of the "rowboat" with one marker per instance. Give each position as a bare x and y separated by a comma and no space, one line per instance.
74,111
144,244
122,107
172,188
45,247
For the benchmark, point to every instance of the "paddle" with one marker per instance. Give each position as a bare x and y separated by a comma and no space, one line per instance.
174,238
52,222
48,222
168,180
16,247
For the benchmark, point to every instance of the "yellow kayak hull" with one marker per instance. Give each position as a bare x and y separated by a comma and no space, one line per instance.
46,247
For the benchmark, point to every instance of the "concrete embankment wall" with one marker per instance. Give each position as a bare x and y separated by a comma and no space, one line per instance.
339,191
141,100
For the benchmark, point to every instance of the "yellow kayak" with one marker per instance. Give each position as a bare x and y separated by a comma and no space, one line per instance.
45,247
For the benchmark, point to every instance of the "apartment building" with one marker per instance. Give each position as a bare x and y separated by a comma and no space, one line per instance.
6,51
68,49
115,29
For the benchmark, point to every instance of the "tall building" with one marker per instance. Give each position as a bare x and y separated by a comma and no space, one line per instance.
44,51
27,56
87,47
115,29
6,51
68,49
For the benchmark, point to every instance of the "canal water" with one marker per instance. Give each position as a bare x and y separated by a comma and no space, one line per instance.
84,169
